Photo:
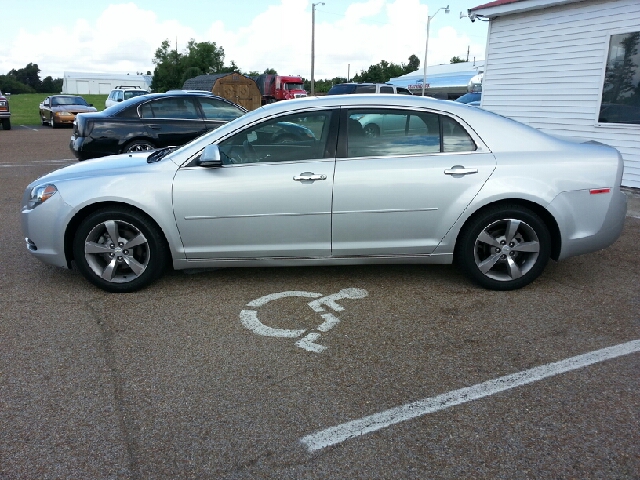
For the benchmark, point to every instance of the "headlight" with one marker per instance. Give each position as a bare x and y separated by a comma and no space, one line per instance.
62,114
41,194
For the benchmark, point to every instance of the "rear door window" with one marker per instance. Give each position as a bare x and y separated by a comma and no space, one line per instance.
391,132
172,107
215,109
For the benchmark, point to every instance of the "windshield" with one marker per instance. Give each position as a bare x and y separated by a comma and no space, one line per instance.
68,101
293,86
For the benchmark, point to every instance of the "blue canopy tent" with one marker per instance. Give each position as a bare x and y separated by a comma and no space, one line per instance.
443,81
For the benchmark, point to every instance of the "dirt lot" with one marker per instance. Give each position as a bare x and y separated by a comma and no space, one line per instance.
170,382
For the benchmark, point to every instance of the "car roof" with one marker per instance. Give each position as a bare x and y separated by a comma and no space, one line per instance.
487,124
135,101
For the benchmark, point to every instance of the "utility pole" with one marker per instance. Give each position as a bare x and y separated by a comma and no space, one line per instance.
426,48
468,47
313,44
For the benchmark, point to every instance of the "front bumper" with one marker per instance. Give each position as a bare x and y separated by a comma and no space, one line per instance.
43,228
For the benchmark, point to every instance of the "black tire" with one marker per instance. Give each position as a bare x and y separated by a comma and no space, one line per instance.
6,124
138,146
109,264
504,248
44,121
52,122
371,130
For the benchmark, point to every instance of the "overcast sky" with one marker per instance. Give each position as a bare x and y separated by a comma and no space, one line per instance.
103,37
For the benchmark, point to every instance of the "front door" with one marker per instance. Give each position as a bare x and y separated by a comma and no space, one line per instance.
271,198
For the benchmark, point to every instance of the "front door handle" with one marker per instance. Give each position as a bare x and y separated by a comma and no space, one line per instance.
460,170
308,176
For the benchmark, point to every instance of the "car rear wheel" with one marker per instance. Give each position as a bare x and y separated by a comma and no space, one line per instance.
504,248
138,146
119,250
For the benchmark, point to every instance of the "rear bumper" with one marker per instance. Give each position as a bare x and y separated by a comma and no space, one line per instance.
596,221
81,148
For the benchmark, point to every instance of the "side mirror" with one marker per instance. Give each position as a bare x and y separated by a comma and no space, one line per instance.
210,157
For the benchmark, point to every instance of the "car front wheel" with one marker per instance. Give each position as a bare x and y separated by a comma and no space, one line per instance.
138,146
119,250
504,248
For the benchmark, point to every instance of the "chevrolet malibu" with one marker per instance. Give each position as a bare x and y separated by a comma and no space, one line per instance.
456,184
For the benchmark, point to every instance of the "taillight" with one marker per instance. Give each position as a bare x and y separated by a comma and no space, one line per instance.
596,191
82,127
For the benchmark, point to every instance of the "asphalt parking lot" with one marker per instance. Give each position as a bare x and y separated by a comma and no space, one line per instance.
316,373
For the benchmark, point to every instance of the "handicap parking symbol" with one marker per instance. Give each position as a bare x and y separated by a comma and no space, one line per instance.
249,318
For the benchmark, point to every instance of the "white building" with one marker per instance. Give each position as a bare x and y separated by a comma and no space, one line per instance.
79,83
569,68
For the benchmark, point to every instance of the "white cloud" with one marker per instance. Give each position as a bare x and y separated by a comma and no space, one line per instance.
123,39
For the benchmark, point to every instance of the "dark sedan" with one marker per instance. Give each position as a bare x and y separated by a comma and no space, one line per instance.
57,110
150,121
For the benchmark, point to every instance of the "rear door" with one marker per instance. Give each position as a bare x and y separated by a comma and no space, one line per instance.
218,112
400,192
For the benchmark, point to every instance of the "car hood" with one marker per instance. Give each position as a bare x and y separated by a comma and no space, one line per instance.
73,108
124,164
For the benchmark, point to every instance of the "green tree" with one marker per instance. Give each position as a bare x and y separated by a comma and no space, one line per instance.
206,56
48,85
168,71
190,73
382,72
172,66
457,59
29,75
9,84
323,86
413,65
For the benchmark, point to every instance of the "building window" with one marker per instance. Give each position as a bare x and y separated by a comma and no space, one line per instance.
621,89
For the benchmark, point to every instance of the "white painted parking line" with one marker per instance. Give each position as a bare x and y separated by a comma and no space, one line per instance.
378,421
32,163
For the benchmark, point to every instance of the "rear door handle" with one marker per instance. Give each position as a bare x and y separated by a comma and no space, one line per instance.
309,176
460,170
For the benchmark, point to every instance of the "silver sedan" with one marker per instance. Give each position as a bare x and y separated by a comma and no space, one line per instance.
447,183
